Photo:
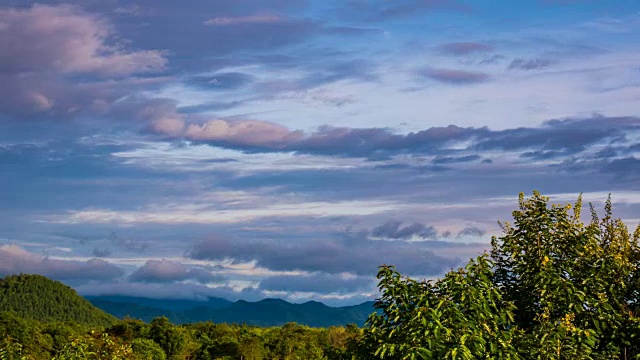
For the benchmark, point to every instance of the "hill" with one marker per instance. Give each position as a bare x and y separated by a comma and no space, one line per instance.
267,312
39,298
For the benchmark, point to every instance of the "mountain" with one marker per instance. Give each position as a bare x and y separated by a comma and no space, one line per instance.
39,298
267,312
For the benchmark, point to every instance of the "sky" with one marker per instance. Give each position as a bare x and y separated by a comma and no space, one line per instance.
287,148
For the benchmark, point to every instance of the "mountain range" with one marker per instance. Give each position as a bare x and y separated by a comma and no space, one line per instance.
267,312
39,298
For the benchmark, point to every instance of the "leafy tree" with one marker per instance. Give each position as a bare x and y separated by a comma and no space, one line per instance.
461,316
553,288
145,349
170,338
293,342
575,286
95,346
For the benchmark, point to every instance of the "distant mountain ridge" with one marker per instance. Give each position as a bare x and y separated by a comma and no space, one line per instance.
39,298
267,312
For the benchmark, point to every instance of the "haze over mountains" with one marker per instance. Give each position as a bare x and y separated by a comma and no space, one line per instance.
39,298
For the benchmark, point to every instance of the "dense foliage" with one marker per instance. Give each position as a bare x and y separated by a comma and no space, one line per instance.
37,297
552,288
159,340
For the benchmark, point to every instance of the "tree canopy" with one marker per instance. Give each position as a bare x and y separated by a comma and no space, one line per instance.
40,298
552,287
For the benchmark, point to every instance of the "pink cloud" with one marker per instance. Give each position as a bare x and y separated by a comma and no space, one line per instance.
68,40
242,132
45,47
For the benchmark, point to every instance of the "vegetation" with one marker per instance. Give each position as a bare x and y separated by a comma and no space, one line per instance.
552,287
37,297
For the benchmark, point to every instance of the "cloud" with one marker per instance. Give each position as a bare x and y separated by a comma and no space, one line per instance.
68,40
174,214
570,135
60,60
471,231
628,167
250,19
220,81
380,10
352,254
393,230
14,260
464,48
101,252
530,64
179,290
242,132
455,77
317,283
255,135
166,271
561,137
455,159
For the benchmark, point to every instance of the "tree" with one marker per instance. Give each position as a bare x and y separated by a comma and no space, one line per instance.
145,349
95,345
461,316
575,286
170,338
553,288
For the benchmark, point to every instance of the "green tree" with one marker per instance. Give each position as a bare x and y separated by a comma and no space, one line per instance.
294,342
95,346
575,286
461,316
145,349
171,339
553,288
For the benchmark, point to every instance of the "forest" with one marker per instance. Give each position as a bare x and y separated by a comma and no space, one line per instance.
553,286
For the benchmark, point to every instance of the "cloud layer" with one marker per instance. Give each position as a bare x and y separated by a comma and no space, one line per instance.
248,149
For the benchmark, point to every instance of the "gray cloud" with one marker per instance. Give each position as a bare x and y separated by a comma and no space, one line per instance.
394,230
464,48
455,159
572,135
530,64
14,260
455,77
318,283
471,231
628,167
165,271
221,81
101,252
553,139
354,254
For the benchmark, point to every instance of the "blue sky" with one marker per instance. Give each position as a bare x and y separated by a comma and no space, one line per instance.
283,148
